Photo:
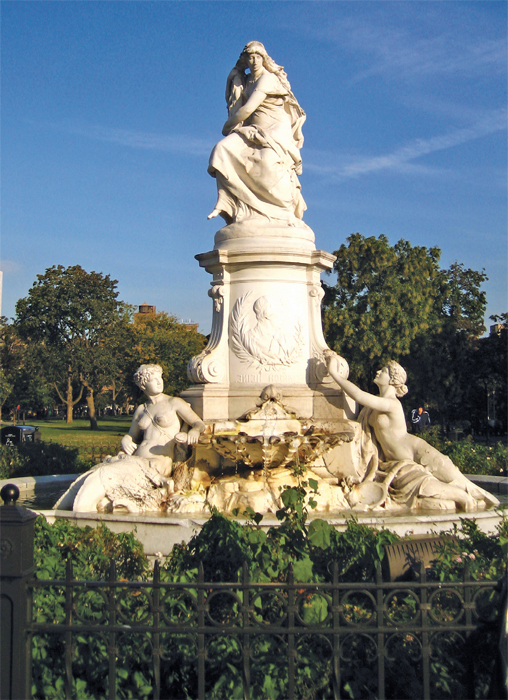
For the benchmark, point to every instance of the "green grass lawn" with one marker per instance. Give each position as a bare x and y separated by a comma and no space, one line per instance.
64,449
78,433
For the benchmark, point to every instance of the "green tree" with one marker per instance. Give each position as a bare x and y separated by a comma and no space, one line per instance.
394,302
32,389
385,296
441,363
75,323
489,391
160,339
11,352
22,379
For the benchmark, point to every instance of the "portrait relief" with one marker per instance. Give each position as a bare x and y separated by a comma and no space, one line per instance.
264,333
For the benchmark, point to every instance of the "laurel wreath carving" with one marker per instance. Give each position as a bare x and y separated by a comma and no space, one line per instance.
239,328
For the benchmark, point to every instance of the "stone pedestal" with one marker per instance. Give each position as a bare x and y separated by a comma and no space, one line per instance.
266,327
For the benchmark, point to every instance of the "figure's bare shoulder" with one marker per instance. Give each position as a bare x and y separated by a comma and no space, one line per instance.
179,403
270,84
138,412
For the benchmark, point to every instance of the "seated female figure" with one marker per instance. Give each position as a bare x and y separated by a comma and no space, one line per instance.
413,472
137,479
156,424
257,164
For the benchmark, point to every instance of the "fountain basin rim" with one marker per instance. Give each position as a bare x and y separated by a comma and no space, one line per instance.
159,533
493,484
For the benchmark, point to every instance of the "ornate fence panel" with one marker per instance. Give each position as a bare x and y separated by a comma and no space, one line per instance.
96,453
250,640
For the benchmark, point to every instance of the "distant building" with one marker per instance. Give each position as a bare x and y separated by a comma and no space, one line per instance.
144,311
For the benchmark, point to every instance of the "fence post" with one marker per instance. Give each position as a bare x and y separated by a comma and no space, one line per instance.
17,562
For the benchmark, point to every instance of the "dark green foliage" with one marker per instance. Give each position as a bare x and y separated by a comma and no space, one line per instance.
225,547
90,550
221,546
40,459
471,457
358,549
394,302
22,380
384,297
490,376
160,339
75,326
74,339
486,555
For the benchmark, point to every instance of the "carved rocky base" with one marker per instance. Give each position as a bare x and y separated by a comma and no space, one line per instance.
260,492
246,463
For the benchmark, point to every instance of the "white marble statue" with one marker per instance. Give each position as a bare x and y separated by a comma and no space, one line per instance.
258,162
138,478
397,469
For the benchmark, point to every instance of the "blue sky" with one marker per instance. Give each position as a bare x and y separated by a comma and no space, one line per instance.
110,110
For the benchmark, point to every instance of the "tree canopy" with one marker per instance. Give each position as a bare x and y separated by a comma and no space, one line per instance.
75,321
395,302
77,338
161,339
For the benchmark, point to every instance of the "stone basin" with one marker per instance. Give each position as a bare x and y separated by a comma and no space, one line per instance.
160,532
271,437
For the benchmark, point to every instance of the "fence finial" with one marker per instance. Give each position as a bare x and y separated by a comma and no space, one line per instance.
9,494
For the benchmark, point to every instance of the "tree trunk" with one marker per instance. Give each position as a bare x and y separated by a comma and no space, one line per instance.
68,400
113,397
90,403
91,409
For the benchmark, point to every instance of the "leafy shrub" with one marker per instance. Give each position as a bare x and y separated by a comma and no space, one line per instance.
485,554
358,549
90,552
225,547
40,459
471,457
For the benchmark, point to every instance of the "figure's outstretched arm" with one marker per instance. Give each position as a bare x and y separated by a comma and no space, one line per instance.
191,418
362,397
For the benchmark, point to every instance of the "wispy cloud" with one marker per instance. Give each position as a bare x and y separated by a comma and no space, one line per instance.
396,54
401,159
398,46
141,140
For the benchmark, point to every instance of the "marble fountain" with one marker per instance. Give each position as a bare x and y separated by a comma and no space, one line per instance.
269,404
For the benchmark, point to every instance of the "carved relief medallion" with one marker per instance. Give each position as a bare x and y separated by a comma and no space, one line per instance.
264,333
6,548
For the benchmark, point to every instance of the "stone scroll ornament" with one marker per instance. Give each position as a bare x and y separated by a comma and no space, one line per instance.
263,334
206,367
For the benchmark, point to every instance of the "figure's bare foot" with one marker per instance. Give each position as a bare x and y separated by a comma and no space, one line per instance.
213,214
467,503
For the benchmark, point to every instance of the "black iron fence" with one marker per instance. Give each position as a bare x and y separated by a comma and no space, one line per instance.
376,629
253,640
95,452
